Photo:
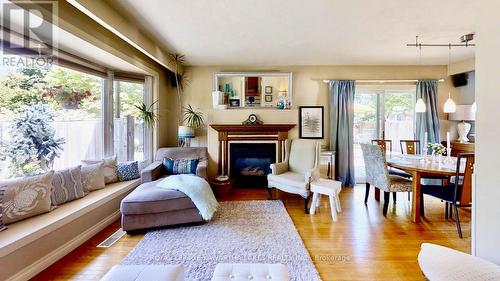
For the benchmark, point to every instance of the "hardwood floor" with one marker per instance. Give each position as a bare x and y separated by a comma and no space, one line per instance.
362,245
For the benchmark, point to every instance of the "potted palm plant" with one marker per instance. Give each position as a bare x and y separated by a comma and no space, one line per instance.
146,114
193,120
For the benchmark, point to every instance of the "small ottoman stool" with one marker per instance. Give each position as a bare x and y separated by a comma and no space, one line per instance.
145,273
326,187
250,271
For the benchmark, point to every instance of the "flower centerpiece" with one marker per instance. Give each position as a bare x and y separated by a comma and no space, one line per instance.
437,149
66,97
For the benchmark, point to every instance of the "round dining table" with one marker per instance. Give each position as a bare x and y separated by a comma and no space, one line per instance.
420,168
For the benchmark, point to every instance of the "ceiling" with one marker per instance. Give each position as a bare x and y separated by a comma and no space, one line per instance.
298,32
76,46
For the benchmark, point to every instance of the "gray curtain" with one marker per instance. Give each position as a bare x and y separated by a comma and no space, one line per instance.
341,129
428,121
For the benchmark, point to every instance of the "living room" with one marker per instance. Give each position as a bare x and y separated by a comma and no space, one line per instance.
254,111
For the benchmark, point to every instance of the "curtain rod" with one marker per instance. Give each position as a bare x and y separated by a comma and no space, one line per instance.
381,81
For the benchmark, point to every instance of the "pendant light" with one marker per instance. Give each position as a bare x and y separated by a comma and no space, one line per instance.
449,105
420,105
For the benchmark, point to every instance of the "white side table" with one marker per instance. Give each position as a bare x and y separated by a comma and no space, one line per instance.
330,188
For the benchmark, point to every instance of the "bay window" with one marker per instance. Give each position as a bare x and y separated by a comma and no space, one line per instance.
80,114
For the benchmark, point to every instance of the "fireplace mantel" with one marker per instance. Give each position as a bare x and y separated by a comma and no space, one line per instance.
257,132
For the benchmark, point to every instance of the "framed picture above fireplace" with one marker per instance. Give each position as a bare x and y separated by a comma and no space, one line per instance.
311,122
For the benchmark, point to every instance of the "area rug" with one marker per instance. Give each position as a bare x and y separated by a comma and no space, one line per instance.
240,232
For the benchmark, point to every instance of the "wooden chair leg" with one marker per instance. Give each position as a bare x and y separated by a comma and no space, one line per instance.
394,195
306,205
457,221
367,192
269,190
450,213
422,212
386,202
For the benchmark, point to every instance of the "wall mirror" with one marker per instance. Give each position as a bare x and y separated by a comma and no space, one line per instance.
252,90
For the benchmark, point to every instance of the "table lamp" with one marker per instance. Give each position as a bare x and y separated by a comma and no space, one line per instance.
463,113
184,136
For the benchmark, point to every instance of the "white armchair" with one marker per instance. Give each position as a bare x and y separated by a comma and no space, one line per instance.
300,168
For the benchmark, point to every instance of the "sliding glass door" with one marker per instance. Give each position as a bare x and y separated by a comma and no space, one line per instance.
381,114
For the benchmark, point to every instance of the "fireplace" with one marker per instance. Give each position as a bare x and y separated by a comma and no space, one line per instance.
249,163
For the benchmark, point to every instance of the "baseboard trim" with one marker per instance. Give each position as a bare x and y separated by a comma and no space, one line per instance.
38,266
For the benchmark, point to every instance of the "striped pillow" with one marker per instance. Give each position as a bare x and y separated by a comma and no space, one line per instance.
67,186
2,191
180,166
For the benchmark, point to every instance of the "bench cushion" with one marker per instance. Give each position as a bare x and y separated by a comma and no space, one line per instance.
250,271
148,198
145,273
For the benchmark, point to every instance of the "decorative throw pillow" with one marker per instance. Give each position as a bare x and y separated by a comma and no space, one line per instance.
93,177
109,168
67,186
26,197
2,191
128,171
180,166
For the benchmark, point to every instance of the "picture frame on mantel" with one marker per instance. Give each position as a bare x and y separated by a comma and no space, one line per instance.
311,122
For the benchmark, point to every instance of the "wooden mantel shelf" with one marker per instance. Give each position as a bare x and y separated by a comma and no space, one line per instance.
257,132
252,128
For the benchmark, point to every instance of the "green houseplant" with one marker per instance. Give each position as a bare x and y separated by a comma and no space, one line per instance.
181,78
193,118
146,114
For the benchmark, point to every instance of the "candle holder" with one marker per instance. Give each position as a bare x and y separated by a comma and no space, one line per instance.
448,160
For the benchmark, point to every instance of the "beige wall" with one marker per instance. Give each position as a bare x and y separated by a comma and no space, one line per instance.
486,210
308,89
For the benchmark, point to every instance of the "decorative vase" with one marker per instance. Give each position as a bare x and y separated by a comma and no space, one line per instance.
463,129
217,98
280,104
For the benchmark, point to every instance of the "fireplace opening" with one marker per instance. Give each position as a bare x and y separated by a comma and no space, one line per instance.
250,162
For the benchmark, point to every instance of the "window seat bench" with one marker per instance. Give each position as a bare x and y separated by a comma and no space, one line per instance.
27,247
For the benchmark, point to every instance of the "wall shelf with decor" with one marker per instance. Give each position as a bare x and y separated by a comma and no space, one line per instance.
252,90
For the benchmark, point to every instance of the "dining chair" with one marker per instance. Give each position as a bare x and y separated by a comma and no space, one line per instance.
384,144
457,193
377,174
393,171
410,146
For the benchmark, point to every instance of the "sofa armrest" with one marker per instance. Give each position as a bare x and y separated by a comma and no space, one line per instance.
279,168
152,172
201,169
311,175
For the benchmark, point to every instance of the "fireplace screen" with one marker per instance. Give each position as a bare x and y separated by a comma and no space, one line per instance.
250,163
